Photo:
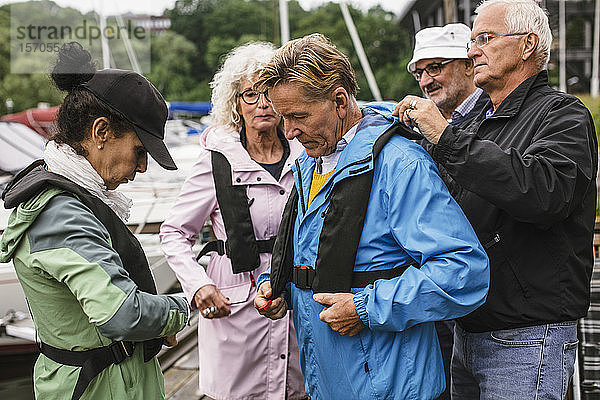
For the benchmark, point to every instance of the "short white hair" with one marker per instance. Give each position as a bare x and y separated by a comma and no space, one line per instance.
243,62
526,16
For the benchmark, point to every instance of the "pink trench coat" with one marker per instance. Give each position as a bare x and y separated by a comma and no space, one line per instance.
244,355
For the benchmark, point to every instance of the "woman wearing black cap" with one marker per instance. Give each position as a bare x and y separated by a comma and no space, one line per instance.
85,276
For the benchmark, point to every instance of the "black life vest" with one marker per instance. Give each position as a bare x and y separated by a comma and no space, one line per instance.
33,180
344,218
242,247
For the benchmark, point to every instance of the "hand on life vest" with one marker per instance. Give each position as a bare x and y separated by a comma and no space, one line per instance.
340,313
423,114
209,296
273,309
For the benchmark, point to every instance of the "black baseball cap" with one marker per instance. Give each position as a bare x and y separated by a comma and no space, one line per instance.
140,103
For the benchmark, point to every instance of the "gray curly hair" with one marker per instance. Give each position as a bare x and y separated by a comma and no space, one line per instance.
243,62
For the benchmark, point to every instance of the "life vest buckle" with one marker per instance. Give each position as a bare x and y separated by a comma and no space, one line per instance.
121,350
303,276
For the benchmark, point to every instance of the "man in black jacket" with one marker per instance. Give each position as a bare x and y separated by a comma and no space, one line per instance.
524,174
445,75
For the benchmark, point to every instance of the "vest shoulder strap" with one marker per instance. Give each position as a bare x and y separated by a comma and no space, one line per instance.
282,262
241,247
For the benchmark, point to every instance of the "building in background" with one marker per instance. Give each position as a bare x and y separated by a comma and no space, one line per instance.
155,24
579,15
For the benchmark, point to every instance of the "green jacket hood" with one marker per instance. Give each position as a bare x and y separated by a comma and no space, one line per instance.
28,193
21,219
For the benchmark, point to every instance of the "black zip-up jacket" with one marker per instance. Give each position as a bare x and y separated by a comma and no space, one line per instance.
525,178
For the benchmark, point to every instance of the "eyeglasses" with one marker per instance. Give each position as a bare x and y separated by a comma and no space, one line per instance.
483,38
251,96
433,69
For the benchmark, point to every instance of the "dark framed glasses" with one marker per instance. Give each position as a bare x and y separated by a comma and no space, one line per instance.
483,38
250,96
433,69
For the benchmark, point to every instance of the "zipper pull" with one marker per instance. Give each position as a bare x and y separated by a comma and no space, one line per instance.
493,241
252,281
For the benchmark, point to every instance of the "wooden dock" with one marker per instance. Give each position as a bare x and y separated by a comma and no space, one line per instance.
181,379
180,365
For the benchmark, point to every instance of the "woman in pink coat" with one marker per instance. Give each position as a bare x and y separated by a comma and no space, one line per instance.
242,354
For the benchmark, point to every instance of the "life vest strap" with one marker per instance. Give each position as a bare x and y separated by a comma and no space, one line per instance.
303,276
221,247
92,362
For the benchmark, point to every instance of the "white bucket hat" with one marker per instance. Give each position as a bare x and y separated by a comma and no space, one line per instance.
449,41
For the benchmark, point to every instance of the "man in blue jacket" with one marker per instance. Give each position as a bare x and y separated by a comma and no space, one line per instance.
368,277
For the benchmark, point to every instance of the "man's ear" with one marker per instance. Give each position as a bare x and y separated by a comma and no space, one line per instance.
100,131
341,100
531,44
469,67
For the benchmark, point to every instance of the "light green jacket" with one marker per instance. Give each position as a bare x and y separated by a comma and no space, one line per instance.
82,298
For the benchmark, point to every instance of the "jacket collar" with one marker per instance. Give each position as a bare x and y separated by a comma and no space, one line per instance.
356,158
511,105
361,146
483,104
227,141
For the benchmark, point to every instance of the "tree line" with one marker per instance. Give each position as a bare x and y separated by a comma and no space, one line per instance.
185,57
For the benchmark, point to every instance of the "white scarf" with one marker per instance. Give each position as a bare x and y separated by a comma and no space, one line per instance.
63,160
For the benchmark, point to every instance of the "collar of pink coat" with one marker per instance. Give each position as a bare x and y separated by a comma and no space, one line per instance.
226,141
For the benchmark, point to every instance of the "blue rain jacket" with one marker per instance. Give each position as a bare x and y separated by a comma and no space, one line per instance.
411,217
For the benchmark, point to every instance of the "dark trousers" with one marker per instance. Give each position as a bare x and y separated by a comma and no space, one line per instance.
445,332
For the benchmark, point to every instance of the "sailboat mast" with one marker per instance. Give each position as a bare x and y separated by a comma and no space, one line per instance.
128,47
284,21
362,57
105,49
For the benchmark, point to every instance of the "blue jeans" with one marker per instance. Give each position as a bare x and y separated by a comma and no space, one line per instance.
534,362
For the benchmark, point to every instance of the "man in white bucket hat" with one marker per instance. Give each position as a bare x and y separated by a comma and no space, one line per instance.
445,73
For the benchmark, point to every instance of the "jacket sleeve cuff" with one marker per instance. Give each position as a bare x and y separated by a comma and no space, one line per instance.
185,308
360,303
262,278
188,310
444,147
179,316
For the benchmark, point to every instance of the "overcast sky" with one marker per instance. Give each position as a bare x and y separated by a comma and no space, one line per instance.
156,7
